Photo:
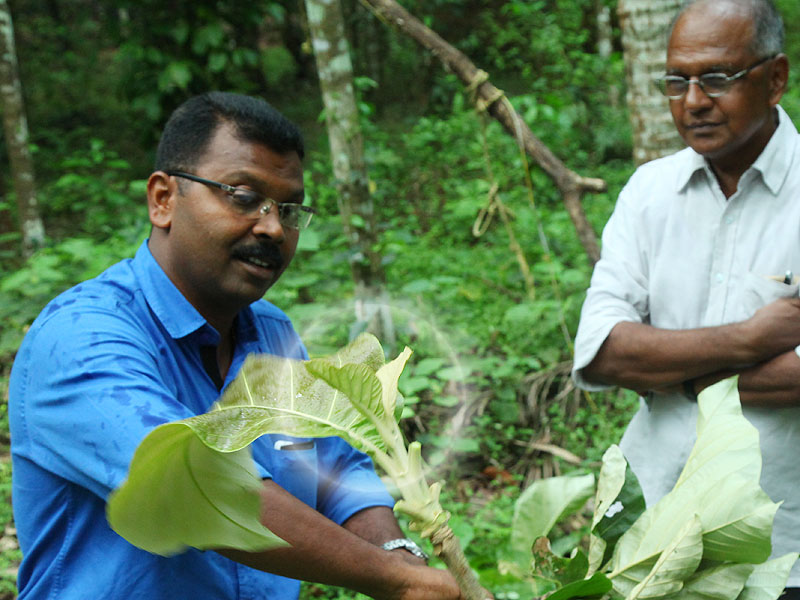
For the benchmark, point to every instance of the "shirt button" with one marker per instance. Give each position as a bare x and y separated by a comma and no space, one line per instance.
728,220
719,277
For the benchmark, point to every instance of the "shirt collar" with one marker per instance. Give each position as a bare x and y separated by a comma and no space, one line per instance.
170,307
776,159
773,163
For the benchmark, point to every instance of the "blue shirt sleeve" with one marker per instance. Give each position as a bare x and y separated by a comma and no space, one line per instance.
348,482
88,388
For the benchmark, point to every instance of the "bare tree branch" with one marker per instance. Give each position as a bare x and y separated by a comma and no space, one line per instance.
571,185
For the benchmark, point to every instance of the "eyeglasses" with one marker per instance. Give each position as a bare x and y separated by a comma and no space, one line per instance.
713,85
253,205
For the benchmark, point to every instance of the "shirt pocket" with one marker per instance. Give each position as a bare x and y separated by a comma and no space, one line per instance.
295,467
760,290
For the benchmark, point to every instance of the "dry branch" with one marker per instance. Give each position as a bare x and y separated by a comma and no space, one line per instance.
571,185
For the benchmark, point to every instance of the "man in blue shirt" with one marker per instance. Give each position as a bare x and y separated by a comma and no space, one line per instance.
155,339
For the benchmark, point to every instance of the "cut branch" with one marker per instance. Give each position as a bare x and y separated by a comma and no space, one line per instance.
570,185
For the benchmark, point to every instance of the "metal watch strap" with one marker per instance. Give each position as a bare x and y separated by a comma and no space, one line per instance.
406,544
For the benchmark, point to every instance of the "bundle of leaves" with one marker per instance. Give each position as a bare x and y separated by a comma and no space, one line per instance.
199,470
708,538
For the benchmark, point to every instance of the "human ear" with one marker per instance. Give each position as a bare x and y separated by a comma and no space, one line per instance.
779,76
161,192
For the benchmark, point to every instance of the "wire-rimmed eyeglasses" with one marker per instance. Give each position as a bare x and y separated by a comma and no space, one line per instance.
253,205
713,85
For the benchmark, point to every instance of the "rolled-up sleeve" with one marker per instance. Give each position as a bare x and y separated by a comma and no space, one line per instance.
619,287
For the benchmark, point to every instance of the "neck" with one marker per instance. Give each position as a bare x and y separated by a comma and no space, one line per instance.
227,342
730,168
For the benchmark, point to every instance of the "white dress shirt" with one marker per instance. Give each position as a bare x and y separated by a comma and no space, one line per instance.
678,255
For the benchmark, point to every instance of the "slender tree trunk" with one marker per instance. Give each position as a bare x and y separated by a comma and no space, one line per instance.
645,27
357,210
571,185
15,126
605,33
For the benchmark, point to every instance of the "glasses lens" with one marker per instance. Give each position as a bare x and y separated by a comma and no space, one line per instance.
715,84
294,216
245,201
673,87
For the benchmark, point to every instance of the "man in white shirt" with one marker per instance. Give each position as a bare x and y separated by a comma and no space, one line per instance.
696,280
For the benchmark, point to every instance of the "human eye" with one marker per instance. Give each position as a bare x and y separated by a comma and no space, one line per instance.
245,200
715,82
674,85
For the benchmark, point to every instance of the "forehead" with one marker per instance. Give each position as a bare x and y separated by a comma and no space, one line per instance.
228,153
712,35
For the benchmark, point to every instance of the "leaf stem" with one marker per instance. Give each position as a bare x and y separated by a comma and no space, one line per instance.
447,547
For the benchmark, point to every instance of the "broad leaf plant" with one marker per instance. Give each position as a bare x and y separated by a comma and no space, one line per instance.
708,539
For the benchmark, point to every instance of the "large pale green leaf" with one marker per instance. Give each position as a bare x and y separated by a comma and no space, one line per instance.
609,482
723,582
544,503
198,470
278,395
719,484
768,579
679,559
618,503
389,375
180,494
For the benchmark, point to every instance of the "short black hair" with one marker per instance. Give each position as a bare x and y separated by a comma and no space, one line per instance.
191,126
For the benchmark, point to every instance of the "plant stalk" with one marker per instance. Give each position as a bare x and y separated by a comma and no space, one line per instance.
447,547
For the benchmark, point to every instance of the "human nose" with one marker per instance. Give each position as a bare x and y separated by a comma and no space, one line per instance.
695,97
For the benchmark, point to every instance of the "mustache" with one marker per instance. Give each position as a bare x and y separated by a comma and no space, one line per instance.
268,253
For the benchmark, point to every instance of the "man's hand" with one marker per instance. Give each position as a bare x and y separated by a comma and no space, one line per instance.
425,583
773,329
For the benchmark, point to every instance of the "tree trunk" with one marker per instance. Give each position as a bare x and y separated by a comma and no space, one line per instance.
571,185
15,126
605,33
335,70
645,27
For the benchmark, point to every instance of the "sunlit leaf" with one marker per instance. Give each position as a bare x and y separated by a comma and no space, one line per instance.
618,503
768,579
199,471
716,583
175,483
679,559
725,463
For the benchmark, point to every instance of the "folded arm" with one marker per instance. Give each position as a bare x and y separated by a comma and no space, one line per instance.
760,349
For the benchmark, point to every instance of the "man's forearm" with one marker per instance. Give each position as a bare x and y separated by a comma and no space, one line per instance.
323,552
642,357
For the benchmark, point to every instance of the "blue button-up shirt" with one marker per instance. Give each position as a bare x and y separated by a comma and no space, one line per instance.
102,365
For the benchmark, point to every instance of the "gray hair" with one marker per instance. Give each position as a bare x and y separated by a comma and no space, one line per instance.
767,23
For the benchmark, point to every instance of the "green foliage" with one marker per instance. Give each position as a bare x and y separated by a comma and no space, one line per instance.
705,537
98,216
100,79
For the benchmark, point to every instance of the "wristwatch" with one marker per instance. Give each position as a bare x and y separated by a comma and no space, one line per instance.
406,544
